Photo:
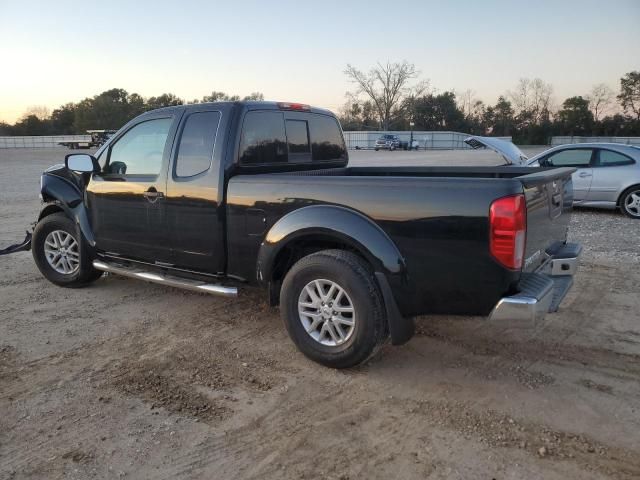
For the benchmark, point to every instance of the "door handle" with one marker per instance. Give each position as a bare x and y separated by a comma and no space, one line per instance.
152,195
584,174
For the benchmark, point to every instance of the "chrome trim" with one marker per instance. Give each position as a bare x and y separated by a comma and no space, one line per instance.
163,279
531,306
519,308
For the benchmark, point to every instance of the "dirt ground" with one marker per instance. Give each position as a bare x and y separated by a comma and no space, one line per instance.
128,379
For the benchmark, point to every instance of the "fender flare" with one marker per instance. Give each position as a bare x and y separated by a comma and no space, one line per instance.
354,229
63,194
343,224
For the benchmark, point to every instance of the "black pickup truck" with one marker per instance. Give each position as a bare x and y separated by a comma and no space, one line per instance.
211,197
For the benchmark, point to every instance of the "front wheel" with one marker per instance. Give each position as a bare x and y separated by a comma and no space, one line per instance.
630,202
60,252
333,309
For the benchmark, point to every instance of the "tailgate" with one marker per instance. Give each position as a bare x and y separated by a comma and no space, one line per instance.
549,197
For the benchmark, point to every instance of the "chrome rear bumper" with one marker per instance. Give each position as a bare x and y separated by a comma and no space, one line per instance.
542,291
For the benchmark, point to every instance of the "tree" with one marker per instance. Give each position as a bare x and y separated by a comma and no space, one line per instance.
387,86
31,125
437,112
532,99
575,116
630,93
499,118
109,110
255,96
40,111
62,119
600,99
164,100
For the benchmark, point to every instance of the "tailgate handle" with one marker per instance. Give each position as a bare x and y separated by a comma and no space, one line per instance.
556,199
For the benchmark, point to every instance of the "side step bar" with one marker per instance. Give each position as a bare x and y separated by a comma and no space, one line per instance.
169,280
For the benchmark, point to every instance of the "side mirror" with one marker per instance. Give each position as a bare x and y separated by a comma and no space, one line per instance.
81,162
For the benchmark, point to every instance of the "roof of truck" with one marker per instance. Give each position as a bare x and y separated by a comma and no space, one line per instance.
250,105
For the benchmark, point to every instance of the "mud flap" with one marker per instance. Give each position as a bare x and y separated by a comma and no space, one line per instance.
401,328
18,247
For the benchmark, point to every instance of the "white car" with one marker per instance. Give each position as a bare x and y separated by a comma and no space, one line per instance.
607,176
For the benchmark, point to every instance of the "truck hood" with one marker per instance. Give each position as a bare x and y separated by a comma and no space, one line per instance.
512,154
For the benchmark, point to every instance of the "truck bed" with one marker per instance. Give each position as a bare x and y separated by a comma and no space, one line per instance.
437,217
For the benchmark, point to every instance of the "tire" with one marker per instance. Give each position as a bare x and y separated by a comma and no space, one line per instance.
50,229
630,202
356,343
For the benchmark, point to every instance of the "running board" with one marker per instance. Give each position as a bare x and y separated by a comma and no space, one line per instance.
169,280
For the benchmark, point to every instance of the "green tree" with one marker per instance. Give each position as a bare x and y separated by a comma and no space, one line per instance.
575,116
164,100
630,93
437,112
109,110
62,120
499,118
31,125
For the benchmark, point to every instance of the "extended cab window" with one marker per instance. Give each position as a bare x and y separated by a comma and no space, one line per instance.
140,150
263,140
326,139
195,151
570,158
607,158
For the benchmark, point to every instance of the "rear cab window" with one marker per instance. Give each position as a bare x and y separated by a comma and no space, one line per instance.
285,138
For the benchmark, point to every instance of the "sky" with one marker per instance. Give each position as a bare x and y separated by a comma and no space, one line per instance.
55,52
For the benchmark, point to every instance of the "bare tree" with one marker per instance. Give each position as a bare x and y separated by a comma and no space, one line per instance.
387,86
467,102
600,100
532,98
40,111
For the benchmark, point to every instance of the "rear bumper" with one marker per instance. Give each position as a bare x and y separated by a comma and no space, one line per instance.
540,292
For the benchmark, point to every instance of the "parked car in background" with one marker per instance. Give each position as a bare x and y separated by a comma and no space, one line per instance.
607,175
390,142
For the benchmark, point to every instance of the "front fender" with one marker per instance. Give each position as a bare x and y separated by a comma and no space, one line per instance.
69,198
342,224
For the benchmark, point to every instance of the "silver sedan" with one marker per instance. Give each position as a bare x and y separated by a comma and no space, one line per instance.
607,176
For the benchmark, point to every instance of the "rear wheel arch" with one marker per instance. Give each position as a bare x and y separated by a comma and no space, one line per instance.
301,246
320,227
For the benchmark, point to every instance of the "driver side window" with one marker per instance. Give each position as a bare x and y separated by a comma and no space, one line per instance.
580,158
140,150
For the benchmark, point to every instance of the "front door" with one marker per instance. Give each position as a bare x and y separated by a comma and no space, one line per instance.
581,158
126,199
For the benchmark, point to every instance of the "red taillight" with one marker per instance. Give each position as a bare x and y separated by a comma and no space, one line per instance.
294,106
508,230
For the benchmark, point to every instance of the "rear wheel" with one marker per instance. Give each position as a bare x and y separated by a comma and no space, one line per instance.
630,202
61,254
333,309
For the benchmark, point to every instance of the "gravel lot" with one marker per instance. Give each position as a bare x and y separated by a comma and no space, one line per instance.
128,379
